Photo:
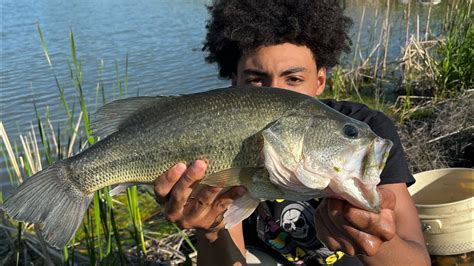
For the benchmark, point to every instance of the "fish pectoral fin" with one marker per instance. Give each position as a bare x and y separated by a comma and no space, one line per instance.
117,114
229,177
240,210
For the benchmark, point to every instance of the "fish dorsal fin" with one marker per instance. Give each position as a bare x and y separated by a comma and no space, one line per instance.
229,177
114,115
283,149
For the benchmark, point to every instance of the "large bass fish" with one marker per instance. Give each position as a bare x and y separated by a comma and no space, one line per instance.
278,143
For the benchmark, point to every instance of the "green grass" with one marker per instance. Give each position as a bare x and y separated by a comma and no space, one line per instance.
108,230
456,52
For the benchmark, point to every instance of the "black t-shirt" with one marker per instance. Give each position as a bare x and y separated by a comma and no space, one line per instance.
295,219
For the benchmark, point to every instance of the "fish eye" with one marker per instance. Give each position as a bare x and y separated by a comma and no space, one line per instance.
350,131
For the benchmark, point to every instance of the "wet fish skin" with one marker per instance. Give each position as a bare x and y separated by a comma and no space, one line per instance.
179,130
238,131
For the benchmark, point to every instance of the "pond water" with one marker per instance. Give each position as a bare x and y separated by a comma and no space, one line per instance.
161,39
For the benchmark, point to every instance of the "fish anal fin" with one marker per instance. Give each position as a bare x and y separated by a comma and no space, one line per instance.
239,210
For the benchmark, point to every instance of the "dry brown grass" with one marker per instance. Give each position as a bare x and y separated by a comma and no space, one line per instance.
171,250
418,66
439,135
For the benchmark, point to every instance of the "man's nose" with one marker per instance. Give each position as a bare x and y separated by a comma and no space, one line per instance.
275,83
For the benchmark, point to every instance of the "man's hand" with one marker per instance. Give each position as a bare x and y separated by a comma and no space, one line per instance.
354,231
189,206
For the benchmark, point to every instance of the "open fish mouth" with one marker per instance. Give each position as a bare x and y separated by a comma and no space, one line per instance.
354,178
372,160
381,149
360,187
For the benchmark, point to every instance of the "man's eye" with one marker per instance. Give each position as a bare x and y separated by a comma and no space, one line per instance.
294,80
254,81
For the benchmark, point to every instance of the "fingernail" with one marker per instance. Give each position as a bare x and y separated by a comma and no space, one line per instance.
202,165
180,167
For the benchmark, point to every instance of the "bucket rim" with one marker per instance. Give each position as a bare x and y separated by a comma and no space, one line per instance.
445,204
422,183
445,169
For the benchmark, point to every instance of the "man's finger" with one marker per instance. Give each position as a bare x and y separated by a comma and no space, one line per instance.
387,198
365,244
323,232
181,191
337,223
225,199
381,225
209,217
353,240
201,203
166,182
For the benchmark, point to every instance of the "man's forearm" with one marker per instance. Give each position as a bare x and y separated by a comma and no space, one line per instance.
223,250
399,252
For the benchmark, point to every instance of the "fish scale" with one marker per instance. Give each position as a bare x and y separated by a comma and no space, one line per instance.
185,141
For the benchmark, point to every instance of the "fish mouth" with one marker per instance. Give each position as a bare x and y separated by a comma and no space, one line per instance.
373,164
353,177
373,159
360,175
381,150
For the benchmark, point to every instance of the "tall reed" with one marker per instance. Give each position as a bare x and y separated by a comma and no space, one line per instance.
431,63
456,52
100,234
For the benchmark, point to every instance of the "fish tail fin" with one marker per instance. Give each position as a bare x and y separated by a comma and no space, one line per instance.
51,198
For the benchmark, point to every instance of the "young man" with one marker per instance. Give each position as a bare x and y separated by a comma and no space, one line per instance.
290,45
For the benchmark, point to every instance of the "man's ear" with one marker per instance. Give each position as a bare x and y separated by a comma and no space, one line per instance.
234,79
321,78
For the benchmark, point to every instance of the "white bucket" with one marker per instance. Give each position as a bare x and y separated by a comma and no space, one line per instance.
445,202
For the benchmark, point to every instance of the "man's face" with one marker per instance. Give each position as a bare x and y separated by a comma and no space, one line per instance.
286,66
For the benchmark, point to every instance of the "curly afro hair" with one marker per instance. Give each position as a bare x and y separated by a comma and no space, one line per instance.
238,26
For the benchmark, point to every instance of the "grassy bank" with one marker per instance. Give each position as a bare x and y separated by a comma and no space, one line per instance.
129,228
113,228
429,65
